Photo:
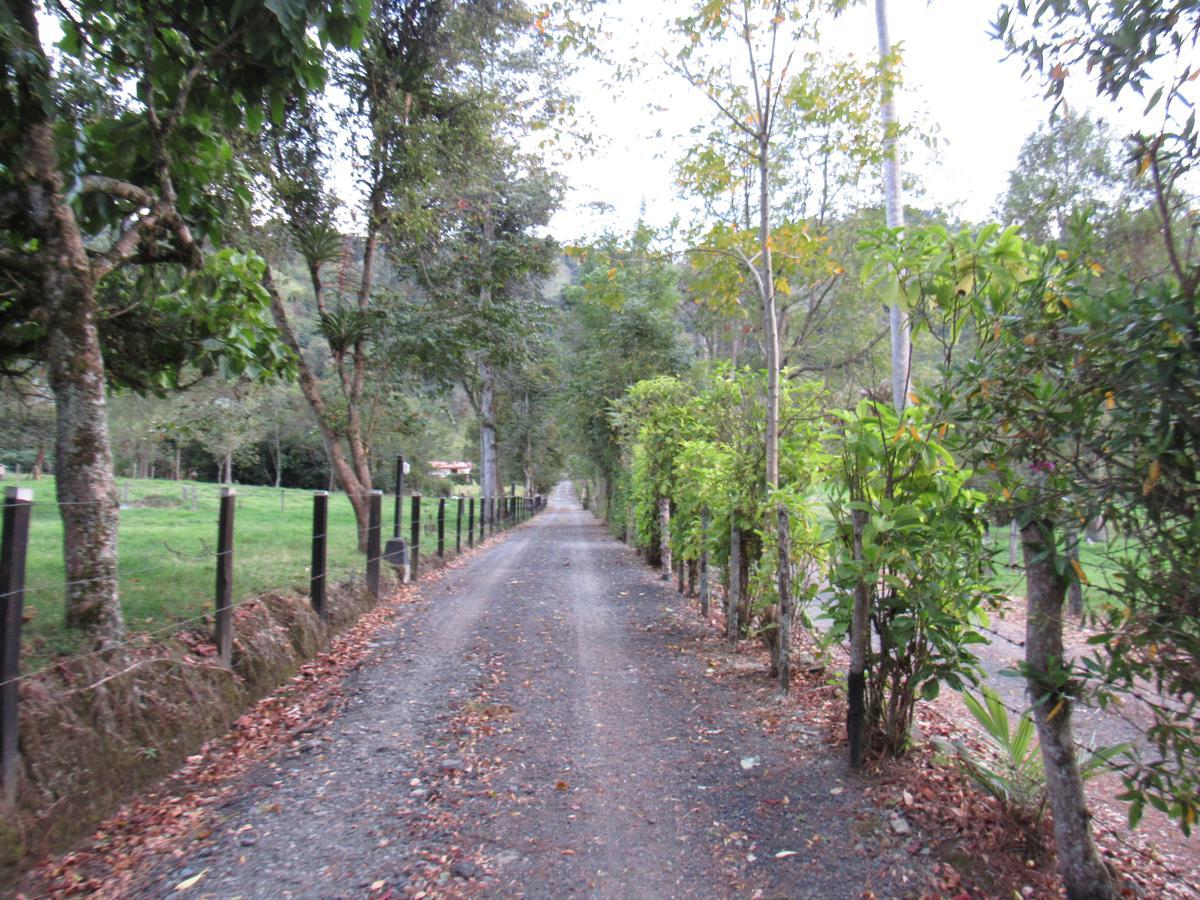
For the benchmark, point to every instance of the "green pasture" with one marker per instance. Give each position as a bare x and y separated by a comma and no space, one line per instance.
1100,563
168,552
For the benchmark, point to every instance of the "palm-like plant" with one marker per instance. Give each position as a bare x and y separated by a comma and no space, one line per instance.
1011,769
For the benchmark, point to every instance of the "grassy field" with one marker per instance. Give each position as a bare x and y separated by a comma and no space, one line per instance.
167,552
1098,561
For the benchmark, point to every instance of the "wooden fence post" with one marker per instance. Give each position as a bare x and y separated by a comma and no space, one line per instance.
415,522
471,522
704,523
374,549
224,624
441,526
458,517
14,547
320,544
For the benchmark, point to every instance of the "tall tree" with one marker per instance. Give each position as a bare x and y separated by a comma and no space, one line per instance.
473,242
1146,370
395,84
482,269
625,295
769,106
747,98
88,190
893,195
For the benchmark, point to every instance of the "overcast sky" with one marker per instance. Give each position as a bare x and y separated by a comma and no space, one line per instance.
956,80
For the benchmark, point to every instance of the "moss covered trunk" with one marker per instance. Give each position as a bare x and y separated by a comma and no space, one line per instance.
86,488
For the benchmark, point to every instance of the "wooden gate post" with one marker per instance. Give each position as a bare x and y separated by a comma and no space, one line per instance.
224,624
415,522
14,546
374,548
320,544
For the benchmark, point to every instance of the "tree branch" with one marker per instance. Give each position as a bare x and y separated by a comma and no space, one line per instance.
115,187
15,261
847,361
189,78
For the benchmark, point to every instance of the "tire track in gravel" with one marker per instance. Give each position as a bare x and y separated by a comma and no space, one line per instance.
619,773
324,819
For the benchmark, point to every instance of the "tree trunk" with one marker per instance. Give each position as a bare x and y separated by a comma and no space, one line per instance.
704,589
86,490
340,472
278,455
488,455
1096,530
1083,873
227,468
39,463
176,466
734,596
894,205
1014,544
1074,586
83,454
770,319
783,573
664,536
860,637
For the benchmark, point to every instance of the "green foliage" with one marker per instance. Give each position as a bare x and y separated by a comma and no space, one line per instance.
215,319
142,99
1011,767
699,442
1074,392
624,296
923,564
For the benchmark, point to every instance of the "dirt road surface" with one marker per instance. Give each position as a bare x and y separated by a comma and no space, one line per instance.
546,724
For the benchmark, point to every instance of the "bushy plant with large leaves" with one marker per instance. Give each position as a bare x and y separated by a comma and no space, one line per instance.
908,532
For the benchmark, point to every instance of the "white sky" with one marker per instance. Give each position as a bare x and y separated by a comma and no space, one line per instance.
955,80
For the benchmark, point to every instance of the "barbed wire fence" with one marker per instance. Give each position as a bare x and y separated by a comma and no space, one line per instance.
266,556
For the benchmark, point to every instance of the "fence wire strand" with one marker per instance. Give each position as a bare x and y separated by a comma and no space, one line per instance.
349,573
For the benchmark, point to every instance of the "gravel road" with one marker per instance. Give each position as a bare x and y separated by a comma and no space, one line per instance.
547,724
